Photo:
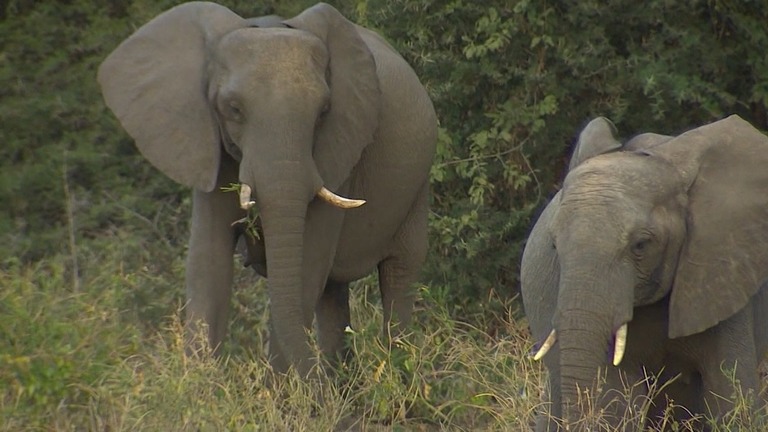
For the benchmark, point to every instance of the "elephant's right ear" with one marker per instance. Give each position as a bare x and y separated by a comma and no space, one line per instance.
156,84
598,137
540,273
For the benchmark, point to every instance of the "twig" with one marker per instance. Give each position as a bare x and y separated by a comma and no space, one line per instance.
150,223
71,227
483,157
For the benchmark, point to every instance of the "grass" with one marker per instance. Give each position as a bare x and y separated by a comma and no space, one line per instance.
109,357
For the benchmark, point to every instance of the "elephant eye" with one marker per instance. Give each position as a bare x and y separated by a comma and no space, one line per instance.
235,112
640,246
231,110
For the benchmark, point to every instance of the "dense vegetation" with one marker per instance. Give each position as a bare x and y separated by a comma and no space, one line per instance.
93,237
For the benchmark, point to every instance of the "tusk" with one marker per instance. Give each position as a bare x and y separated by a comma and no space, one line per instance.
338,201
548,343
245,197
620,344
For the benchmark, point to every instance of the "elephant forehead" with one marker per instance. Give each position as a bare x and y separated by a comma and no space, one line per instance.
269,50
626,173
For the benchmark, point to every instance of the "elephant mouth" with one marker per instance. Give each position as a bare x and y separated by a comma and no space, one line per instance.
619,345
250,225
250,230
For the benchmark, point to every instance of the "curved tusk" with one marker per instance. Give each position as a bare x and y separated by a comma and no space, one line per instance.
548,343
245,197
338,201
620,344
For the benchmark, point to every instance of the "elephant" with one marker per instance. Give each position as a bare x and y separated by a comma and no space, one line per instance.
650,266
289,110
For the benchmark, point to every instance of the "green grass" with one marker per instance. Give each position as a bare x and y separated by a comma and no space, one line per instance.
110,357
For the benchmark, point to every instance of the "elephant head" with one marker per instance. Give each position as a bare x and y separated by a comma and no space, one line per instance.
295,104
682,219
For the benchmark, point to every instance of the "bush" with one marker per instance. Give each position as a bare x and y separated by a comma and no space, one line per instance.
94,237
514,81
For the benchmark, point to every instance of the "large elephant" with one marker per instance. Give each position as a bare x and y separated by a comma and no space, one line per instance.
291,110
651,262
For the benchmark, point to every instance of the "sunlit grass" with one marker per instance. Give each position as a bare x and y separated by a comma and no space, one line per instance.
110,357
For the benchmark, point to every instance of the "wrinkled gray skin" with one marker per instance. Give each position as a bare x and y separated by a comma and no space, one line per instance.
669,235
309,102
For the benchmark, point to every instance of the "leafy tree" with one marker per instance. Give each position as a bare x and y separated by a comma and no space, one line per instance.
514,81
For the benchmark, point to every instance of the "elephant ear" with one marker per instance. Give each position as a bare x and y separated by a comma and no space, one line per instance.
724,260
156,83
267,21
598,137
645,141
540,273
351,123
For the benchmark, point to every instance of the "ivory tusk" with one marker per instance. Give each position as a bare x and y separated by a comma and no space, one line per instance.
338,201
620,344
245,197
548,343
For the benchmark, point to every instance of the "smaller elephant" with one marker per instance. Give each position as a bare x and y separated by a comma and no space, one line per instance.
651,264
290,110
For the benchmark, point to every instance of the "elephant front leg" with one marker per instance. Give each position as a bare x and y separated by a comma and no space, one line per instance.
729,385
624,396
209,269
729,365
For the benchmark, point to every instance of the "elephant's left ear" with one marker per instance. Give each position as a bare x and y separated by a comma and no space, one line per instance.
350,124
598,137
724,260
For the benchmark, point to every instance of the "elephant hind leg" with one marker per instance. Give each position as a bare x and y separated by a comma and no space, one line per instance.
332,313
397,296
400,270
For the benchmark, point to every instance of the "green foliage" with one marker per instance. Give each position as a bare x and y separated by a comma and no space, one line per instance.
56,344
57,132
80,361
93,236
434,375
514,81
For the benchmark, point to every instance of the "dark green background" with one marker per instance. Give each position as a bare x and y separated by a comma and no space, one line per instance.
512,81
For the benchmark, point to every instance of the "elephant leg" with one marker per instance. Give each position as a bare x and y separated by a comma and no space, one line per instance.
210,261
321,234
725,383
729,367
332,314
624,398
396,277
679,398
399,271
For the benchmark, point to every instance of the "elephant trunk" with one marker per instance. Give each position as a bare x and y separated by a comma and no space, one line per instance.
583,337
280,168
592,306
282,191
283,227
